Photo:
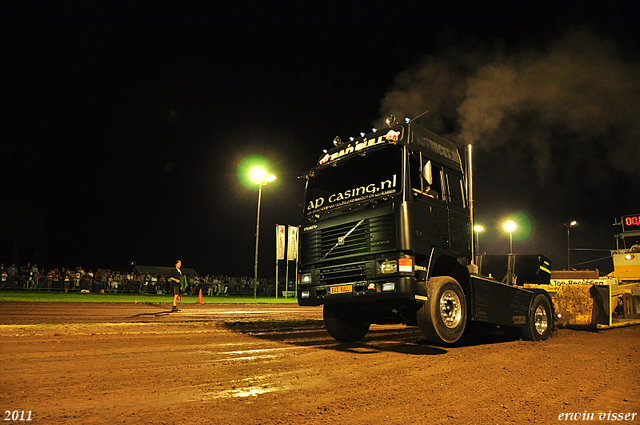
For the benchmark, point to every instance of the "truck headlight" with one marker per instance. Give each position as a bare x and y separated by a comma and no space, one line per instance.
389,266
305,278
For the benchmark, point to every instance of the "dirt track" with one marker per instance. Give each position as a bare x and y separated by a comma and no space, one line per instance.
230,364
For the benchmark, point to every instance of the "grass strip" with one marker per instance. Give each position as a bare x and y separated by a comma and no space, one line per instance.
76,297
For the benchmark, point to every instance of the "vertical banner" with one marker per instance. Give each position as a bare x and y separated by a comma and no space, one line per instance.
280,245
292,248
292,252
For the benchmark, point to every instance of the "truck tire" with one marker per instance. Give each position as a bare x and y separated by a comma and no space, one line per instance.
343,325
443,316
540,320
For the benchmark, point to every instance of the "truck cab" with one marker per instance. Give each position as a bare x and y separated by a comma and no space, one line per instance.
387,239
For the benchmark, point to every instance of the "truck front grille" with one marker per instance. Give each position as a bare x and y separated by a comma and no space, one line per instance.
343,274
372,235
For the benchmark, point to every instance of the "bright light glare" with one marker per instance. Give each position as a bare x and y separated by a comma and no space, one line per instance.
252,170
573,223
510,226
257,174
478,228
260,176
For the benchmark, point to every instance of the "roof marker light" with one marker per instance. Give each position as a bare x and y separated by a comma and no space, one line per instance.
391,120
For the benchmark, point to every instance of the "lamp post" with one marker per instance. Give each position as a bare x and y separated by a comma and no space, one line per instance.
477,229
258,175
569,226
510,227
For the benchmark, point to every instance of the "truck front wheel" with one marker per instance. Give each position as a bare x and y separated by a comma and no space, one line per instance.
344,325
443,316
540,320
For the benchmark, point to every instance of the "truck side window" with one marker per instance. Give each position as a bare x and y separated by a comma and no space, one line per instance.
436,186
419,185
456,190
414,165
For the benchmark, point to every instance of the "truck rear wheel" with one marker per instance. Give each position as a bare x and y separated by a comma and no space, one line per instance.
443,316
343,325
540,320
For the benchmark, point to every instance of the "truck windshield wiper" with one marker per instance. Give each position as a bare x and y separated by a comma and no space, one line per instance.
342,239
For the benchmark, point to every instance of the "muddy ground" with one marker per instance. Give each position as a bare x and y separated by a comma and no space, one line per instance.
275,364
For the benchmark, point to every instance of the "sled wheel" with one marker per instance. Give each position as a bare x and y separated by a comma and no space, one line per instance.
443,316
343,325
540,320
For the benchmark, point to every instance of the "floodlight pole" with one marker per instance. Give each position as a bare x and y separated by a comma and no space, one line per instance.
255,267
568,247
476,230
510,227
569,226
510,242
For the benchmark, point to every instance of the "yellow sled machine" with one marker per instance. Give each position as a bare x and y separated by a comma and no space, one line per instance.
584,298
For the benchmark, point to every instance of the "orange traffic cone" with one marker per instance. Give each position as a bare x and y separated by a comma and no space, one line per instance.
200,300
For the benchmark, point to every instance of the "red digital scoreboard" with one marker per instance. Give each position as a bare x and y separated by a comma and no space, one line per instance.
631,223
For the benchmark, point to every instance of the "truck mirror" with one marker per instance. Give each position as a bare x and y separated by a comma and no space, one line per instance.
427,174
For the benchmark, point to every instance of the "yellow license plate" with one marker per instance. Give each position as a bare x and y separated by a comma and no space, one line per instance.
340,289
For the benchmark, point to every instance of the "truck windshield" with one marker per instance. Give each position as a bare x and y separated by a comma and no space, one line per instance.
355,179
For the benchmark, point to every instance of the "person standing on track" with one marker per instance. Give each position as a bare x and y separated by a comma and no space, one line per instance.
174,277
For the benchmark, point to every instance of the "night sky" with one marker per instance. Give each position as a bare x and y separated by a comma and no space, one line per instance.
123,126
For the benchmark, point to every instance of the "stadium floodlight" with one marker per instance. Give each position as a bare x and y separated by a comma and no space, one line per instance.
510,226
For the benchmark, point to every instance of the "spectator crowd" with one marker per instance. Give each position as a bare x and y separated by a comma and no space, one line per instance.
30,277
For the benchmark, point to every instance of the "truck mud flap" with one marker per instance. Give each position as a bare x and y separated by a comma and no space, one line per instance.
601,314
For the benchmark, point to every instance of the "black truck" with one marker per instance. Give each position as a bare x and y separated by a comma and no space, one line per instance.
387,239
